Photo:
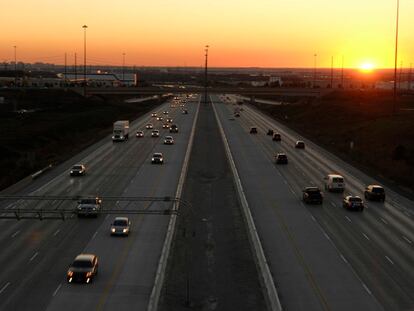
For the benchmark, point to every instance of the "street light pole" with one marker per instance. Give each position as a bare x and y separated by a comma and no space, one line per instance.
394,108
84,58
123,68
15,66
332,64
314,69
205,73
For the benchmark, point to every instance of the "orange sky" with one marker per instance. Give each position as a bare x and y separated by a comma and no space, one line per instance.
265,33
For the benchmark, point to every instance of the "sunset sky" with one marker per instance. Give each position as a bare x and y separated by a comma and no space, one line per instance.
264,33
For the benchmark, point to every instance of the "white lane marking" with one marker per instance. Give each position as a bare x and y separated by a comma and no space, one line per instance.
327,236
56,232
366,288
34,256
294,193
407,239
343,258
57,289
16,233
94,235
365,236
347,218
313,218
284,180
389,259
384,221
4,287
333,204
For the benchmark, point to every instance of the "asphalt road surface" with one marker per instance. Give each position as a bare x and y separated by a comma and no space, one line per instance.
36,254
322,257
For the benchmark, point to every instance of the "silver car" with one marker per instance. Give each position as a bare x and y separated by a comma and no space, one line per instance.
121,226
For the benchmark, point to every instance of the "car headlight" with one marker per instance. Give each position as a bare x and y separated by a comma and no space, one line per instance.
152,159
71,172
88,274
113,230
125,230
161,160
94,208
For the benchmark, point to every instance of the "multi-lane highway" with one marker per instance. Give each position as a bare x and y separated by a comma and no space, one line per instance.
322,257
36,254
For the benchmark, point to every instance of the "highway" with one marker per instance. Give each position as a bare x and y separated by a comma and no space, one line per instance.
321,257
36,254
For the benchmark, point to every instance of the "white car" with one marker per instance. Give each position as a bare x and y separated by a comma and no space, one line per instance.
159,118
168,140
139,134
334,182
121,226
78,170
154,114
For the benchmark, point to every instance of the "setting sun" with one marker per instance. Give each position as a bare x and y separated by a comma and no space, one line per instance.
367,67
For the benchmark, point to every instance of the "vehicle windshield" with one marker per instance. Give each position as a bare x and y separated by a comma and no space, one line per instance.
82,264
355,200
77,167
88,201
377,190
120,222
338,179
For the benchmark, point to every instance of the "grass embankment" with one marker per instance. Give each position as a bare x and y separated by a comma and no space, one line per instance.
383,143
62,125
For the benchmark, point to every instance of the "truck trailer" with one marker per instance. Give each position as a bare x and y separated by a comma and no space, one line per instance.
121,131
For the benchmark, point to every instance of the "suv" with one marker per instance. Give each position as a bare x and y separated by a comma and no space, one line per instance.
353,202
334,182
281,158
121,226
374,192
78,170
253,130
173,128
89,207
277,137
157,158
300,144
312,195
83,269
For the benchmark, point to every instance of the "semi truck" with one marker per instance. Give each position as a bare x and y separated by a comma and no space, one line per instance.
121,130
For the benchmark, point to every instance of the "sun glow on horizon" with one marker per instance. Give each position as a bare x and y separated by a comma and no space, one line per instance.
367,67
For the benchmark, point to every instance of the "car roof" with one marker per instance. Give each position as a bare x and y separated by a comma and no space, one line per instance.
169,137
353,197
158,153
312,189
300,141
376,186
281,154
335,175
121,218
89,257
78,165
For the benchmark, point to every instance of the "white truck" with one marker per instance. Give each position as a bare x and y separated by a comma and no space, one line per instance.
121,130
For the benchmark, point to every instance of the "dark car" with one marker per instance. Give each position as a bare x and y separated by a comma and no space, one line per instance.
269,132
89,207
374,193
253,130
237,114
83,269
157,158
312,195
300,144
281,158
277,137
121,226
78,170
139,134
173,128
353,203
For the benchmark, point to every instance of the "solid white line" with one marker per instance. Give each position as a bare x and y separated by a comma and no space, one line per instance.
407,239
347,218
365,236
366,288
56,232
327,236
313,218
389,259
343,258
16,233
94,235
4,287
57,289
34,256
383,220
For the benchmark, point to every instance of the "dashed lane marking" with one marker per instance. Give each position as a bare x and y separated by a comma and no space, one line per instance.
347,218
407,239
4,287
15,234
57,289
34,256
389,259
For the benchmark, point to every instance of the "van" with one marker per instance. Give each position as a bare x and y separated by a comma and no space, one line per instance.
334,182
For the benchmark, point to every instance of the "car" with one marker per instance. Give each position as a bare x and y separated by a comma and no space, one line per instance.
269,132
165,112
169,120
300,144
121,226
281,158
277,137
334,182
168,140
154,114
253,130
155,133
353,203
78,170
83,269
173,128
149,126
312,195
89,206
159,118
374,193
139,134
165,126
157,158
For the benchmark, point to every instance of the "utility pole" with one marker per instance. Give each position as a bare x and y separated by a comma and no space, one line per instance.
332,63
205,74
400,76
15,66
123,68
394,108
66,72
342,73
314,69
409,77
76,70
84,59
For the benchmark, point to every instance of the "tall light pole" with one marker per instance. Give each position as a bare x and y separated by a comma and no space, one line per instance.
84,58
123,68
15,65
342,73
314,69
205,73
394,108
332,64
